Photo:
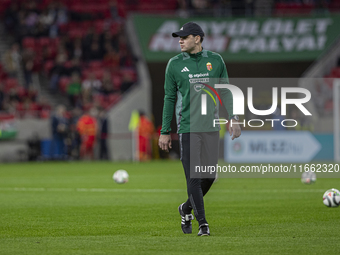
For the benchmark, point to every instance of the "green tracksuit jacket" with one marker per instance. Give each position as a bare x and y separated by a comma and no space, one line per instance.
187,77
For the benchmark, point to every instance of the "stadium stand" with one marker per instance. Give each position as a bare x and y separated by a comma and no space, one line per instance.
60,38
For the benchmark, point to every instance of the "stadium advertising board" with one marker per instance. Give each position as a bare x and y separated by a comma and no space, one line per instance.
272,146
242,39
7,127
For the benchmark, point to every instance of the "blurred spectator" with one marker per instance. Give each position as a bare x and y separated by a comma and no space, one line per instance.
145,131
44,108
48,53
56,72
238,7
62,54
11,18
75,67
87,40
86,98
66,45
12,60
32,94
201,7
87,128
31,18
21,30
27,109
223,8
91,83
127,59
321,7
40,30
111,58
77,51
10,106
73,135
46,18
103,134
74,89
107,85
128,81
183,9
62,15
122,43
249,7
28,64
95,53
113,9
13,95
34,109
59,131
108,38
34,147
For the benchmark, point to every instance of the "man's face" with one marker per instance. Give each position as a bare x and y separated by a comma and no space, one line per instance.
188,43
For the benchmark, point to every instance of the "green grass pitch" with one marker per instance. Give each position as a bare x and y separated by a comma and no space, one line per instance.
76,208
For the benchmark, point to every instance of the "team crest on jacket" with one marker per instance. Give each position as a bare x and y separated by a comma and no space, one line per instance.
209,66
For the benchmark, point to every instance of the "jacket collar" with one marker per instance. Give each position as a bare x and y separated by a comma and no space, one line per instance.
202,53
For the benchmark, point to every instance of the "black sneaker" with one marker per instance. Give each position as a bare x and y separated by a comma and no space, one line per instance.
204,230
186,221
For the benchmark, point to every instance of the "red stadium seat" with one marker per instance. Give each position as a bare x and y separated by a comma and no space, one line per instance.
334,6
48,66
21,91
75,33
77,7
45,114
63,83
86,24
117,82
99,73
86,73
11,83
28,42
63,28
3,75
336,72
68,64
99,26
55,41
43,41
98,98
97,64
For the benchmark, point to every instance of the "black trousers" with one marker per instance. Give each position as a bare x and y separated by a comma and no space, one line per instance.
198,151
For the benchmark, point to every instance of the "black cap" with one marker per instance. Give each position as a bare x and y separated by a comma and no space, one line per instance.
190,28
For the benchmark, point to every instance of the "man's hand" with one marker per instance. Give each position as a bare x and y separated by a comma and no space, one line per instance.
164,142
234,129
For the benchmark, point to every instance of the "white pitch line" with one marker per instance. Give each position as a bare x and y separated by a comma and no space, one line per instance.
162,190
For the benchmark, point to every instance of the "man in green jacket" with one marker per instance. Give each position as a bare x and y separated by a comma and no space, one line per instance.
190,77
